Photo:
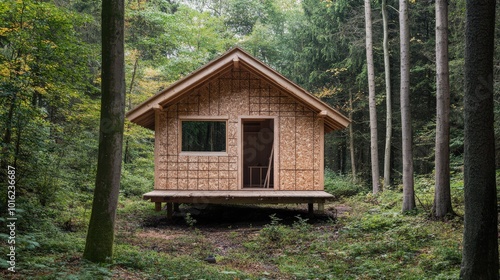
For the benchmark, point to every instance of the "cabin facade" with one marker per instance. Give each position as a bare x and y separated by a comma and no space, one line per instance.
236,131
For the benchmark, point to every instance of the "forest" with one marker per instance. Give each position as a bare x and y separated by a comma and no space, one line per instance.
50,98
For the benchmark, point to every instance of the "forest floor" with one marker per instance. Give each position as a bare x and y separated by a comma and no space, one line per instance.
359,237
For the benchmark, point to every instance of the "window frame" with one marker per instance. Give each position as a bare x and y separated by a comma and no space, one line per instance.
224,119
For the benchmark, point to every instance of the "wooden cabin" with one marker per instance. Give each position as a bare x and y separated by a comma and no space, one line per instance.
236,131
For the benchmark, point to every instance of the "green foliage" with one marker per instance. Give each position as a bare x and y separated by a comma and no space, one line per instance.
157,264
274,234
26,242
190,221
440,258
175,41
301,225
49,116
136,183
372,240
45,80
204,136
341,185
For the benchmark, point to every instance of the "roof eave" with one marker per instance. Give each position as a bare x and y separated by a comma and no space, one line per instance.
191,81
143,114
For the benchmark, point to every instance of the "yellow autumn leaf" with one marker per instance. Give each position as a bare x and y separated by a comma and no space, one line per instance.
4,70
4,31
40,90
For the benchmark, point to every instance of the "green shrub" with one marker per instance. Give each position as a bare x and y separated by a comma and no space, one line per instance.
379,222
133,184
389,200
190,221
301,225
441,258
274,233
341,185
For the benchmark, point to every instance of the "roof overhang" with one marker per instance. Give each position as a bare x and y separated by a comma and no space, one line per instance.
143,114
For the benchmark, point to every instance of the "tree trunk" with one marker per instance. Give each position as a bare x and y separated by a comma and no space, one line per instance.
100,236
371,99
126,157
407,150
351,139
442,196
480,242
388,100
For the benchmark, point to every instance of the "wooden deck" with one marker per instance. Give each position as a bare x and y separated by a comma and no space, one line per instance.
236,197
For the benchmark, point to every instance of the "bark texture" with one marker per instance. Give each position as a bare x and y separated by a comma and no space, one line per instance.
100,236
480,242
371,98
408,193
442,196
351,139
388,99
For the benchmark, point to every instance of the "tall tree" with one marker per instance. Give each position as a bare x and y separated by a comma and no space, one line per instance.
371,98
388,99
442,196
480,242
407,149
100,236
351,139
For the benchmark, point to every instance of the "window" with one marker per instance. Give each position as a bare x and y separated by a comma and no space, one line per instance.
203,136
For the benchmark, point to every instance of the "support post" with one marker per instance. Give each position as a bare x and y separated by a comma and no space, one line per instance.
169,210
321,207
310,209
157,206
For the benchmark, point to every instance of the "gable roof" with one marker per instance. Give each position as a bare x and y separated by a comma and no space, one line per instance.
144,116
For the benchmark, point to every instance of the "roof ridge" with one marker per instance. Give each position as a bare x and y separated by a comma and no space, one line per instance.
143,114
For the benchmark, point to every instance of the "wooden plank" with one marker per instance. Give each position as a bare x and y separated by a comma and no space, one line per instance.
287,145
317,154
287,179
251,192
170,209
304,142
235,200
322,152
304,179
157,183
203,118
157,206
276,159
246,196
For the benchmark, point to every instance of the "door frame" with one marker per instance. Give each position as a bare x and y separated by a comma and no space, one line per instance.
276,181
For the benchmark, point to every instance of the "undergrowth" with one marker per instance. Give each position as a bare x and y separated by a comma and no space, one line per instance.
342,185
370,239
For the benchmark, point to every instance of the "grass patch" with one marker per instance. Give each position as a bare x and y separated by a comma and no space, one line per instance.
341,185
371,239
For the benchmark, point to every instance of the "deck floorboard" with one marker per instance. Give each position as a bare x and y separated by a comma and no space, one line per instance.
243,196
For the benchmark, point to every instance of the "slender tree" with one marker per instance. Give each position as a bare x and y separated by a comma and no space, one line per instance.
351,139
388,99
408,193
480,242
371,98
442,195
100,236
